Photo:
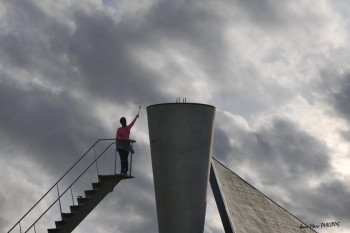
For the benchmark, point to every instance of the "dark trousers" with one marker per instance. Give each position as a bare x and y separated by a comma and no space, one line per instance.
124,160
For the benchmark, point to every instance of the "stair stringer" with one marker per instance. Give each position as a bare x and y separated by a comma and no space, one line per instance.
94,197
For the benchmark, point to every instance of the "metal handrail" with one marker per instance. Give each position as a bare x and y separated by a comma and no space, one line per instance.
59,181
70,186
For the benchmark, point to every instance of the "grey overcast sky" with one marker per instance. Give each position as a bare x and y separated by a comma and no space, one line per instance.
278,73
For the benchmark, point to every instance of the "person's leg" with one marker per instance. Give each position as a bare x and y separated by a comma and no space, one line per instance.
124,161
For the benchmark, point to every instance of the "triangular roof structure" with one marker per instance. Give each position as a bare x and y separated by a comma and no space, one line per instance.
244,209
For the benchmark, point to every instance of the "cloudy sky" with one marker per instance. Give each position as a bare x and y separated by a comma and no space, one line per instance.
277,71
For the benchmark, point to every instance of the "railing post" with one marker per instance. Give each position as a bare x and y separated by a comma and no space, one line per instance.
71,191
59,199
34,229
130,163
96,162
115,162
20,227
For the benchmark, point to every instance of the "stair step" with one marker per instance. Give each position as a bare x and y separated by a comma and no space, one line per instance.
59,224
96,185
82,200
54,230
102,178
66,216
74,208
89,192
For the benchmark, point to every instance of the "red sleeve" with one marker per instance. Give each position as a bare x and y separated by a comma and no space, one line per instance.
132,123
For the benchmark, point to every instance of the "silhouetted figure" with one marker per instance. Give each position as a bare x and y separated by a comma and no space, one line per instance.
123,143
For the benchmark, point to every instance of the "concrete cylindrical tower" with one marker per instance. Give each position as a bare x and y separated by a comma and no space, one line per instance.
181,136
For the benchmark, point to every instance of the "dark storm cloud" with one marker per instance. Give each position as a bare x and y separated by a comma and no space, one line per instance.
97,52
3,221
290,151
263,12
283,16
336,89
338,195
221,145
326,202
284,156
100,49
34,39
49,128
13,51
341,97
189,23
99,57
289,148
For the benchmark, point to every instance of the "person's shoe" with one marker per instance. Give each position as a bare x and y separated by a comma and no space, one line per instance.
124,173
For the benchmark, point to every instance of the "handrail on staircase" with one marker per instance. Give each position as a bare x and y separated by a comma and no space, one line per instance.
19,221
69,186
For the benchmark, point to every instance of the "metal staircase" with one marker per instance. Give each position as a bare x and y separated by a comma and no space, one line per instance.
107,178
86,204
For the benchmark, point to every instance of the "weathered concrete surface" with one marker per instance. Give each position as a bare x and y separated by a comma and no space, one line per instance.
248,210
181,136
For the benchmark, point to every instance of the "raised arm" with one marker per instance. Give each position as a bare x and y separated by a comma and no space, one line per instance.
133,122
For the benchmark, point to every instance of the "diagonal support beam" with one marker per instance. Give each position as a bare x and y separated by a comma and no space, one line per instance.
220,202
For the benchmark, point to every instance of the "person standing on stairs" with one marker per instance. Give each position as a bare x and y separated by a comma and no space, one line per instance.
123,143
